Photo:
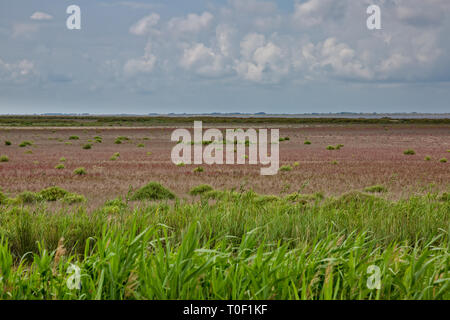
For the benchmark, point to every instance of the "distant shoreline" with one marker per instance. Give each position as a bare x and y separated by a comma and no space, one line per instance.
341,115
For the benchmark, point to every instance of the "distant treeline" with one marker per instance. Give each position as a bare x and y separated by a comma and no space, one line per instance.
104,121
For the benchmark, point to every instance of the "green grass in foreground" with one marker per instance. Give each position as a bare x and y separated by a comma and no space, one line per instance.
239,246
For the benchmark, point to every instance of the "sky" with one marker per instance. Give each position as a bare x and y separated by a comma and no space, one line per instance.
201,56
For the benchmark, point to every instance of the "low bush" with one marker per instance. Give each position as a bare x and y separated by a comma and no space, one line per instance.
376,189
80,171
4,158
53,194
201,189
409,152
153,191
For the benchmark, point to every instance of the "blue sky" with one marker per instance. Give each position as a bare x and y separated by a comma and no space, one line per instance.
224,56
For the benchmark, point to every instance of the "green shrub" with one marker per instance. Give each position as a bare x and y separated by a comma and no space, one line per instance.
113,158
376,189
443,160
29,197
281,139
445,197
181,164
339,146
87,146
201,189
118,141
296,164
3,198
198,170
25,144
4,158
153,191
140,145
307,142
72,198
62,159
59,166
80,171
427,158
8,143
331,148
68,143
409,152
286,168
53,194
74,138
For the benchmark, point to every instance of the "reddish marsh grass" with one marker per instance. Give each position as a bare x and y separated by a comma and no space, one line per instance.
373,155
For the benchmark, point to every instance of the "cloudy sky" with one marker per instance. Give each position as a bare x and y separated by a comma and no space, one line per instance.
224,56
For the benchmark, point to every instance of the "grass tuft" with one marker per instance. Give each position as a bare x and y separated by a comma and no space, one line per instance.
153,191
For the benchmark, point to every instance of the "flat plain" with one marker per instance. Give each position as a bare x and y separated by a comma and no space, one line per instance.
371,155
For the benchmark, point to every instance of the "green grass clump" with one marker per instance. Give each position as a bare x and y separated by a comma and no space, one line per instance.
140,145
445,197
29,197
331,148
427,158
74,138
3,198
68,143
113,158
25,144
200,190
443,160
339,146
307,142
4,158
62,159
181,164
120,139
53,194
285,168
8,143
59,166
80,171
296,164
87,146
153,191
409,152
198,170
73,198
243,246
376,189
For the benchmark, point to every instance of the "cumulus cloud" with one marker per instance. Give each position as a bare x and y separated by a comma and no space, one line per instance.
24,29
192,23
261,60
146,25
142,65
16,72
41,16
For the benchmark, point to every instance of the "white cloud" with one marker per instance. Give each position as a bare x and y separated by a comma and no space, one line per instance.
145,25
261,60
16,72
145,64
192,23
203,60
41,16
24,29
